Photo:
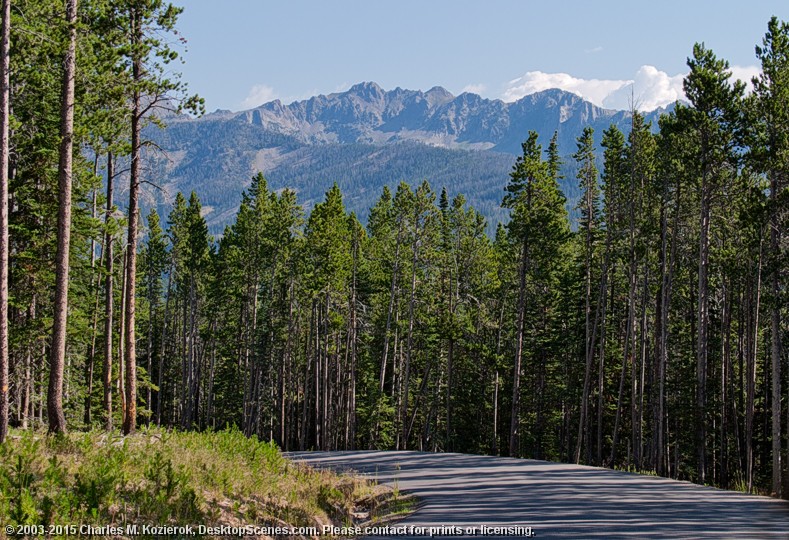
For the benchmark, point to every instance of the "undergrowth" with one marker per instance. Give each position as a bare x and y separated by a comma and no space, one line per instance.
159,477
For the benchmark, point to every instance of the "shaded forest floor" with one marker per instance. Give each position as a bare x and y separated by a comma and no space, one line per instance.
163,478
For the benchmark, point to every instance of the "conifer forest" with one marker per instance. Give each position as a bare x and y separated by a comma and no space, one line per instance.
646,334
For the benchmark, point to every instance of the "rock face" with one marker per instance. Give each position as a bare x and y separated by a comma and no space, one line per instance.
365,138
368,114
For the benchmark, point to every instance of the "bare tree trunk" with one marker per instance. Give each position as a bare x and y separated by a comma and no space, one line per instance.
601,378
29,398
57,420
603,305
392,298
90,362
149,355
666,293
351,443
499,327
589,326
24,406
162,348
5,45
517,367
286,427
642,368
702,343
726,397
775,339
661,332
410,336
130,416
751,350
122,340
589,343
108,299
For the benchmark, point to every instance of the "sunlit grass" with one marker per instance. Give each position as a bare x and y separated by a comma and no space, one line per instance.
161,477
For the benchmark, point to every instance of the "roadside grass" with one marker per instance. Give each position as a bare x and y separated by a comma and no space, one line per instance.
737,484
160,477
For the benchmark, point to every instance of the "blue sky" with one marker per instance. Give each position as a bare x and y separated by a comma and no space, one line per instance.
242,53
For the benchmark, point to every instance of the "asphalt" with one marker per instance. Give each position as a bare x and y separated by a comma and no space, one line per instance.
471,496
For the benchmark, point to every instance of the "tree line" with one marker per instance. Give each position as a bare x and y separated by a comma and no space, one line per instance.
646,336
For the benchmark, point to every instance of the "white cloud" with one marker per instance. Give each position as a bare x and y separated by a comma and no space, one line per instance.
474,89
649,88
594,50
745,74
258,95
594,90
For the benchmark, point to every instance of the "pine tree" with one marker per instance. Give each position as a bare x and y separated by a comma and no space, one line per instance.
589,225
615,202
148,56
328,270
386,231
769,152
713,117
538,232
154,259
5,94
57,420
528,170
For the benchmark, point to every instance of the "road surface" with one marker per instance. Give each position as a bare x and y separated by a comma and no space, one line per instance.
557,500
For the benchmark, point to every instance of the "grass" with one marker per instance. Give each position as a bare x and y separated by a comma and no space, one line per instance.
158,477
635,470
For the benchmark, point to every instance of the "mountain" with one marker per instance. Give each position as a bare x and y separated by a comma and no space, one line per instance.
367,114
366,138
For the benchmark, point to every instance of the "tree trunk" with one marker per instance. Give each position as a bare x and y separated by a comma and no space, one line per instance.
90,362
130,416
159,375
390,309
122,340
775,338
517,367
108,299
751,350
152,300
410,336
603,305
57,420
351,442
702,343
5,32
589,326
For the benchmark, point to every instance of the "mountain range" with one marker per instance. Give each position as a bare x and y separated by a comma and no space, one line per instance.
365,138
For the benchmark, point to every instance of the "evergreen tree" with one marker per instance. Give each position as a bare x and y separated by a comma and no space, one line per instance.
538,231
154,263
57,420
5,93
147,56
769,152
588,225
713,118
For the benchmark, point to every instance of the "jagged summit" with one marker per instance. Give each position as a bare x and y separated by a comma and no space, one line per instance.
366,113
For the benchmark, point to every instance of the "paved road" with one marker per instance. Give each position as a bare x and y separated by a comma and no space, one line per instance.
557,500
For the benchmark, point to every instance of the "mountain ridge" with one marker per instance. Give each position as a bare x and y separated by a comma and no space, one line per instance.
463,142
368,114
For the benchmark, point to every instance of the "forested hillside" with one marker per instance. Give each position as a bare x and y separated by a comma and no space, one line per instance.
364,139
216,159
650,337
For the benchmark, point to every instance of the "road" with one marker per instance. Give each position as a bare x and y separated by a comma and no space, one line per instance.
557,500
